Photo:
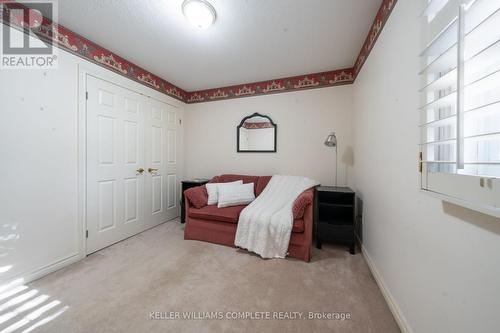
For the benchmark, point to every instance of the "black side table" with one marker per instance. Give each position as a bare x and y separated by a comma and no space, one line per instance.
335,216
185,184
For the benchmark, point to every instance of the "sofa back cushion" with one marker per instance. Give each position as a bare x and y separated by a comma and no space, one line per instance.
231,178
261,184
215,179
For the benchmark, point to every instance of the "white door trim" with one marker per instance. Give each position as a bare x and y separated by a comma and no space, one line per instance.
106,75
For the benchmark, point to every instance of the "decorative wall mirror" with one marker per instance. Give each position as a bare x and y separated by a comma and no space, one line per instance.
256,134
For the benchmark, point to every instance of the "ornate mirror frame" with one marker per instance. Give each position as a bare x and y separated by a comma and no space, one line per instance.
256,114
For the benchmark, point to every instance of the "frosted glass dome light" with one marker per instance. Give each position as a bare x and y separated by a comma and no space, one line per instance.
199,13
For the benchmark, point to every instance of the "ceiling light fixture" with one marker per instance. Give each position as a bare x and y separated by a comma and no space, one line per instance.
199,13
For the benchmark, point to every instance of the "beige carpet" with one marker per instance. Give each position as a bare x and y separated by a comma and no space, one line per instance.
116,289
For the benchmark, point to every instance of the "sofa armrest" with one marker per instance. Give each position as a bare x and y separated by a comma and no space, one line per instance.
187,205
197,196
308,221
303,200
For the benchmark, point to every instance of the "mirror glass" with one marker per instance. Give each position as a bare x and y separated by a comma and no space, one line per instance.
256,133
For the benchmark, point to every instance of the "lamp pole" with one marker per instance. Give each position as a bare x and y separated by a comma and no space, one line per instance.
331,141
336,164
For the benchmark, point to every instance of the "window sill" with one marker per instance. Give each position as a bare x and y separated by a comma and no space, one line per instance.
488,210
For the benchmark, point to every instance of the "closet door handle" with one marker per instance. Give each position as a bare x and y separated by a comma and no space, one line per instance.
140,171
151,170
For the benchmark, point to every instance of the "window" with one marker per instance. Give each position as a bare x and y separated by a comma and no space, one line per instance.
460,101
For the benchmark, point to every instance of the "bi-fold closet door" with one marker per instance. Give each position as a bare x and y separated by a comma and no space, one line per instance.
131,163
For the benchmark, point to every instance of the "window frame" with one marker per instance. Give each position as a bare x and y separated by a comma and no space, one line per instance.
475,192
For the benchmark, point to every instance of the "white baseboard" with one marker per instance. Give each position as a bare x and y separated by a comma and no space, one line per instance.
393,306
47,269
38,273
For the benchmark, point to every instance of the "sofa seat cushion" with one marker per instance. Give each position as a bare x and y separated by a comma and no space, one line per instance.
212,213
231,215
298,226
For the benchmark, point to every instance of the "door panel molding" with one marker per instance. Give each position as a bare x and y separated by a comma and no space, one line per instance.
126,132
86,71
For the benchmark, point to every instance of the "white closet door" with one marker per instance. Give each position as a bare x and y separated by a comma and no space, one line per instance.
173,182
115,155
161,161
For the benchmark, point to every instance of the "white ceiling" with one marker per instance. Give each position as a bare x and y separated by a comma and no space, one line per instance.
252,40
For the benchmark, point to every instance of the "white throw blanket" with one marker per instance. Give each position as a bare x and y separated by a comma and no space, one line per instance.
265,226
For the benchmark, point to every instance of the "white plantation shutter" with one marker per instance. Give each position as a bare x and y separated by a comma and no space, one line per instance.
460,99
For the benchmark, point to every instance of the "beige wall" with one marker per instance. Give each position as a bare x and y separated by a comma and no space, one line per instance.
304,120
440,262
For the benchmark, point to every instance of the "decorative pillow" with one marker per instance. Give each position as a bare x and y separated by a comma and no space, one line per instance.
300,204
197,196
213,190
235,195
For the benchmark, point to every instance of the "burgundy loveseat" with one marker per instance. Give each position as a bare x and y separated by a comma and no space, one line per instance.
218,225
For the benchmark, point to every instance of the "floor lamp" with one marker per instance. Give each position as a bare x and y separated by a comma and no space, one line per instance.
331,141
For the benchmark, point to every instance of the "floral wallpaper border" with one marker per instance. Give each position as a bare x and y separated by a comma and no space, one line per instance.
84,48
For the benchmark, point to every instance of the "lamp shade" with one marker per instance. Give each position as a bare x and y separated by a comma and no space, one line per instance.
331,140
